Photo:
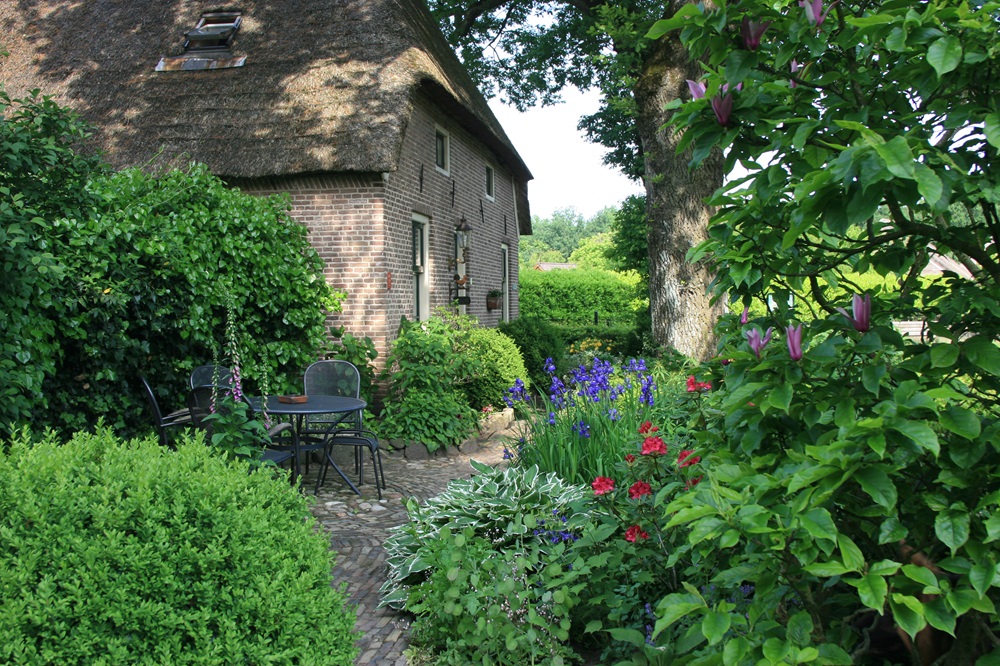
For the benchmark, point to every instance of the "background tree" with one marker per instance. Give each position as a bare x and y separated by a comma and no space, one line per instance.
530,49
592,252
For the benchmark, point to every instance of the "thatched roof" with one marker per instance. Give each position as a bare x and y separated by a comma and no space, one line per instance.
328,85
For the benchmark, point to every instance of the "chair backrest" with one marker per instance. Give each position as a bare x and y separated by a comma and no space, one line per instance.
334,377
211,375
154,410
200,404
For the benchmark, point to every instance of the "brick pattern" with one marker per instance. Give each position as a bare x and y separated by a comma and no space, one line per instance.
361,226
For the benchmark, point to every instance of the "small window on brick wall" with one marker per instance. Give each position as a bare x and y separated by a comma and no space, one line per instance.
442,150
490,184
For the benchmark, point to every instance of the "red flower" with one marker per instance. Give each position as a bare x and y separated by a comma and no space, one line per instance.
638,489
693,385
653,446
603,484
647,428
686,459
635,532
629,458
693,482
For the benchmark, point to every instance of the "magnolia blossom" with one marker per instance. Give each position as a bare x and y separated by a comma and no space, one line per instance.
745,317
794,339
815,13
723,106
861,308
795,67
697,89
751,31
756,342
602,485
635,532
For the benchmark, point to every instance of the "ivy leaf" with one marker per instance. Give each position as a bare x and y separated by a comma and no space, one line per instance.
945,54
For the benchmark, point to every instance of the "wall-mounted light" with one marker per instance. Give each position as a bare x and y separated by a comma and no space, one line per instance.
463,234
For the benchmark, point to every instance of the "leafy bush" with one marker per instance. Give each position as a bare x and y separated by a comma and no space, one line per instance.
538,340
132,553
500,364
428,366
572,296
478,566
113,275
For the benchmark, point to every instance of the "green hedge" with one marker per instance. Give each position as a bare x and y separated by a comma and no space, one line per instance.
120,553
538,341
573,296
500,365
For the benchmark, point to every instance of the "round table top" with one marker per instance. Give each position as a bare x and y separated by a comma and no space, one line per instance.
315,404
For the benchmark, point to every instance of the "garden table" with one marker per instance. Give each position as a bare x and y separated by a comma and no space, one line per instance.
313,405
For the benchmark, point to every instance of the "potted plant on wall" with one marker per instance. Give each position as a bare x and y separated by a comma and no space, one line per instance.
494,299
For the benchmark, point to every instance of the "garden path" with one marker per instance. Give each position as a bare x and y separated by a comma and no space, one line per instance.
358,526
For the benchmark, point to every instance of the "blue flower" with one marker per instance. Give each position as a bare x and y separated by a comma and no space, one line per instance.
550,367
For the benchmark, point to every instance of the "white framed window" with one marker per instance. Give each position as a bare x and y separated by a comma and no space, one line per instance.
442,150
421,279
490,183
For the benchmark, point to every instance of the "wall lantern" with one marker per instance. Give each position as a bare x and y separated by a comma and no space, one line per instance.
463,235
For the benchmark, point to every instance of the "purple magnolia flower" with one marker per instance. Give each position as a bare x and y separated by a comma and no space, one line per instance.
814,11
752,31
794,339
697,89
796,68
722,104
861,308
745,317
756,342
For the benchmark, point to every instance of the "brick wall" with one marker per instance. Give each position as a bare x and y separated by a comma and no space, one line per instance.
361,226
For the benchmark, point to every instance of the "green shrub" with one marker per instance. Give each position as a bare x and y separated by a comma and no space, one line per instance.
538,340
119,552
428,367
482,566
500,364
573,296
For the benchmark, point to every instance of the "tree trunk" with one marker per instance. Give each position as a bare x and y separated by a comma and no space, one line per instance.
683,316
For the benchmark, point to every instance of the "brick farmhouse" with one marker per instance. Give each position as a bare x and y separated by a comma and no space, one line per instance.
358,109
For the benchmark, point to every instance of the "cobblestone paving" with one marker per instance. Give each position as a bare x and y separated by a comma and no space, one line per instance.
359,524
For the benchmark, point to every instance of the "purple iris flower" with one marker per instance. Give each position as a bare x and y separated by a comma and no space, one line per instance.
861,308
756,342
794,339
752,31
814,11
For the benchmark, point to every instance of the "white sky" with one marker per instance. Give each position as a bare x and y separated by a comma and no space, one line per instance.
567,168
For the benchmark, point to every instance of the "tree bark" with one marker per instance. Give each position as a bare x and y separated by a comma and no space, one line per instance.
683,316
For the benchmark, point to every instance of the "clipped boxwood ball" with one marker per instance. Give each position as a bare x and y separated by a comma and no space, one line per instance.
500,365
115,553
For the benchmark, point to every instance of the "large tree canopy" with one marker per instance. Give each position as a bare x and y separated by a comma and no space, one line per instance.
529,50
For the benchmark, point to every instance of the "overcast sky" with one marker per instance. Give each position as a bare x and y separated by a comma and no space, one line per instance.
568,170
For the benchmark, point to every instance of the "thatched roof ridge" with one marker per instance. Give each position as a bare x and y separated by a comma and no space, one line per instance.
328,85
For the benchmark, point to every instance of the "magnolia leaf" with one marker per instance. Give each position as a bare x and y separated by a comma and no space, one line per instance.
961,421
919,432
908,613
982,576
734,651
851,554
876,482
630,636
993,129
775,650
952,527
992,528
898,157
921,575
943,355
940,616
679,19
984,353
781,396
872,590
819,523
826,569
945,54
715,625
928,184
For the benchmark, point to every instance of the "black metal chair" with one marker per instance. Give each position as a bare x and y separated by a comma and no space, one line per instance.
341,378
203,402
162,423
211,375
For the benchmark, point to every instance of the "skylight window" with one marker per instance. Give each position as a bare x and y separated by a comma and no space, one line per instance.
208,45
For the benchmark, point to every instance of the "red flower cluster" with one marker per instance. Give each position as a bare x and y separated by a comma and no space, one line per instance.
639,489
629,458
646,428
653,446
694,385
602,484
635,532
686,459
693,482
